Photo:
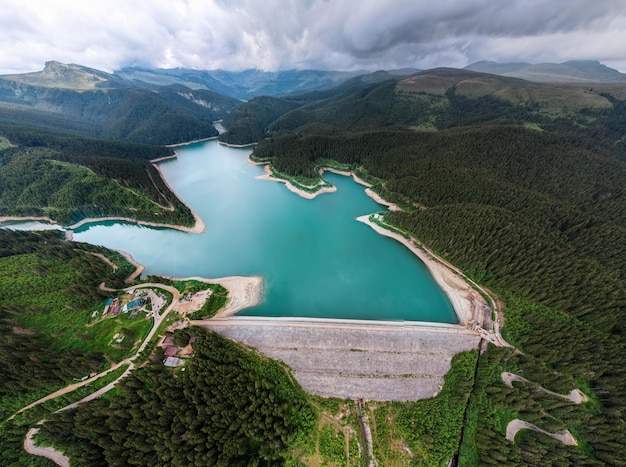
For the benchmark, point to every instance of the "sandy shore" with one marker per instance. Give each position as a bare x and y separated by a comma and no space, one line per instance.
25,218
243,292
368,191
466,301
376,197
198,228
139,268
164,158
304,194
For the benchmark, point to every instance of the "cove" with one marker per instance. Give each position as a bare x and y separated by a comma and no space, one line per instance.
316,260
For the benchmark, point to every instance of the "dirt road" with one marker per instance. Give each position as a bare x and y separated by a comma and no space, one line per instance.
49,453
516,425
56,456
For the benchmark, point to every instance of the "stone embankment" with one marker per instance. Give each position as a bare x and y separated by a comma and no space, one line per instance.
381,361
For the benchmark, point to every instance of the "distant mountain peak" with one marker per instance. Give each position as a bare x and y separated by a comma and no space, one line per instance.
66,76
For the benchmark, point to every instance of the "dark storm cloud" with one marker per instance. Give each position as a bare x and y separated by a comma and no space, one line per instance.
334,34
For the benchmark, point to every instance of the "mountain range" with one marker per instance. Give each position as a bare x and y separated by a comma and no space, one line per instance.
573,71
518,183
166,106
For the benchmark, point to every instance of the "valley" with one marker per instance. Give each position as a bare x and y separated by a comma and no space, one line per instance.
517,186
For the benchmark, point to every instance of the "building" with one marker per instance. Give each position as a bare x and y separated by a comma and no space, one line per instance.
138,303
170,351
107,306
172,362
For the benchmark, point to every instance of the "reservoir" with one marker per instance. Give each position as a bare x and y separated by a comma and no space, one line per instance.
316,260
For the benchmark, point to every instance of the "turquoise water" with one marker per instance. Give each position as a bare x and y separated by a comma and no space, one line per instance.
315,258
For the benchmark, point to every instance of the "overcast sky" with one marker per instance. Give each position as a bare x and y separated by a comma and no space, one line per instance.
308,34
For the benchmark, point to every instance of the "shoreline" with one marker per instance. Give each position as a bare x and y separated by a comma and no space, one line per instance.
465,301
164,158
305,194
197,229
177,145
139,268
291,187
199,226
91,220
230,145
243,292
368,187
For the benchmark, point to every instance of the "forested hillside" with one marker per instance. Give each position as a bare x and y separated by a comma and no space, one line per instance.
74,99
429,100
528,198
522,186
231,407
67,178
47,287
244,85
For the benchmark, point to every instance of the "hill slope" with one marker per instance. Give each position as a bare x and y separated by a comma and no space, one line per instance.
93,103
522,186
574,71
240,84
427,100
67,178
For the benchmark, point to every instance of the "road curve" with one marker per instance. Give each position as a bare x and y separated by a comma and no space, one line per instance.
575,395
56,456
516,425
49,453
158,319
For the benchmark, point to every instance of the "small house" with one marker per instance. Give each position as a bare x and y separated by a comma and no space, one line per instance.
170,351
172,362
138,303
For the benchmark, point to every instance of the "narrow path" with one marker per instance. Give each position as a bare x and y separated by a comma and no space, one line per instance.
170,206
576,395
516,425
102,257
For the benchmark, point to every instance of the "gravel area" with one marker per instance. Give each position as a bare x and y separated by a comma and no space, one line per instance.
381,363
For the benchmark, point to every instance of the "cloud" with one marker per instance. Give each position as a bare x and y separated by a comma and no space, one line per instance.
329,34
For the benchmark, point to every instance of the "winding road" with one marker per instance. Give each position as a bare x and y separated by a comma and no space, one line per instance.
58,457
576,395
516,425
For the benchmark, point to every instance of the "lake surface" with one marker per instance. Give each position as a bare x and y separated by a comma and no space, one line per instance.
315,258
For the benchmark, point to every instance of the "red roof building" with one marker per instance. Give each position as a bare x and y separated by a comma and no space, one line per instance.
170,351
